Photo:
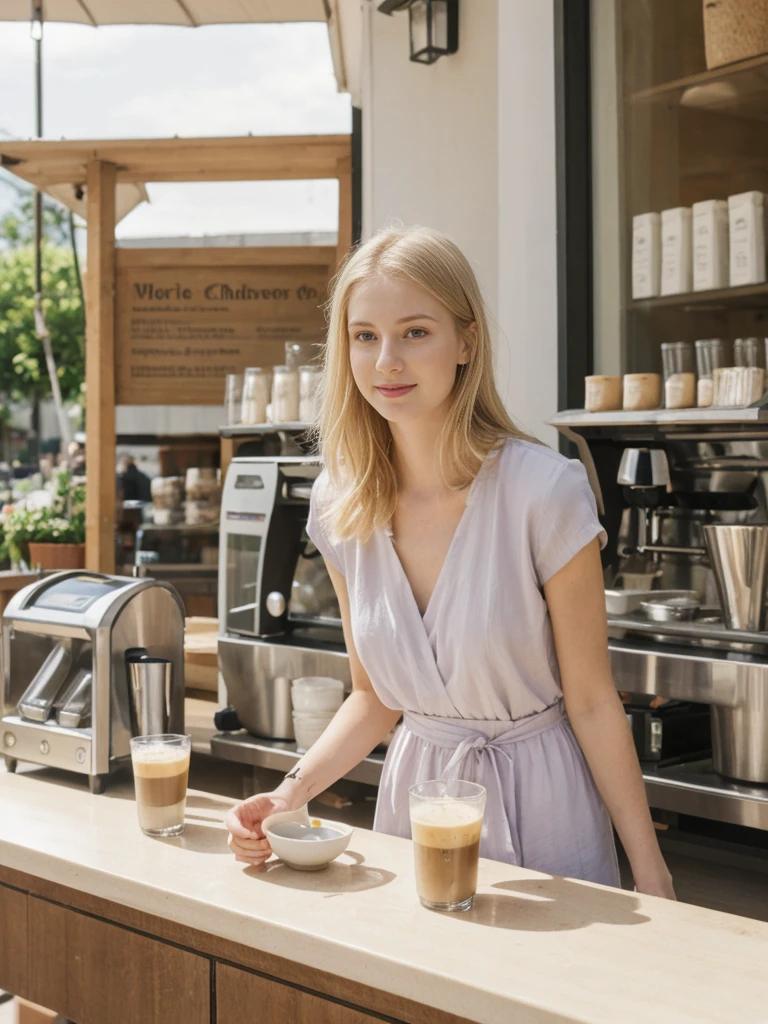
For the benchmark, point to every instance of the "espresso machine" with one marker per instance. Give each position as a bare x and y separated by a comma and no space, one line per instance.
68,641
683,496
278,614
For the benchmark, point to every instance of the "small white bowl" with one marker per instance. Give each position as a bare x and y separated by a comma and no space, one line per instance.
317,693
305,854
308,729
317,701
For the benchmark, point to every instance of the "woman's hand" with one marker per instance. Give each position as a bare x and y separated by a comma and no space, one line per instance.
246,836
657,885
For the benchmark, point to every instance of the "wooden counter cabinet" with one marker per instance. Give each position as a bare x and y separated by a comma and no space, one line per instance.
243,994
13,940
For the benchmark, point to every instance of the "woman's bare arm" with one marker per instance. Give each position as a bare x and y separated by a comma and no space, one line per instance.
361,724
576,600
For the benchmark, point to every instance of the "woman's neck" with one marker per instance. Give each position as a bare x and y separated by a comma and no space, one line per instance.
414,448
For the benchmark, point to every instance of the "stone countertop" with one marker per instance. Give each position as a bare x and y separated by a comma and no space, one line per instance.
533,949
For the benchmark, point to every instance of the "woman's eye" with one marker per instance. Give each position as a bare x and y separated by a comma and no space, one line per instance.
365,336
416,332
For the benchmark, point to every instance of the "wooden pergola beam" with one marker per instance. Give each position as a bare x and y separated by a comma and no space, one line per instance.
101,492
271,158
344,174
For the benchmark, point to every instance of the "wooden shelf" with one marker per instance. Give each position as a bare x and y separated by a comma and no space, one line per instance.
722,74
751,295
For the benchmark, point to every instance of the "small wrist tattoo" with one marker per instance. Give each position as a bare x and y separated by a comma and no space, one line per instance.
294,774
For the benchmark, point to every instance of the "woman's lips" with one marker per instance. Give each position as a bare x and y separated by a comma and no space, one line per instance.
394,391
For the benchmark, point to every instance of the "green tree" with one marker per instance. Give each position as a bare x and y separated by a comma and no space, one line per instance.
17,228
23,373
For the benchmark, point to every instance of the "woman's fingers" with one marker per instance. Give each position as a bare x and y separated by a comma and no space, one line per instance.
249,847
251,856
236,826
253,861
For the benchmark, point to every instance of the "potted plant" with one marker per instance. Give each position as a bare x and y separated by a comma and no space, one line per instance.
51,537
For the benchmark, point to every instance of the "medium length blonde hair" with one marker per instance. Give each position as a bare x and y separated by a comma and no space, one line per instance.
354,438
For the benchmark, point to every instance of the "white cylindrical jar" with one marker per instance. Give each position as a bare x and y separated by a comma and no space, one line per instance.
256,387
285,395
309,379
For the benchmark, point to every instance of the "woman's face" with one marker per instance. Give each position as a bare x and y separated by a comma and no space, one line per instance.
404,348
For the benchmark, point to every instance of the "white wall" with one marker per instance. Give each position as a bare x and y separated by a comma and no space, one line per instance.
467,146
527,263
430,137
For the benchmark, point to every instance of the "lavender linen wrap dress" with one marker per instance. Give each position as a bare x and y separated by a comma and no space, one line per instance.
477,677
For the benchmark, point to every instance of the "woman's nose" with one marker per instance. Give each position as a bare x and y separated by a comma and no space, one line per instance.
389,359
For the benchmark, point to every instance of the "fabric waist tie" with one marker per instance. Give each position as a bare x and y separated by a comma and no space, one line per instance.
464,737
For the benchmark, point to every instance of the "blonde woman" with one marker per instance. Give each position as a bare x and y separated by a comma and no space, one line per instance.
465,557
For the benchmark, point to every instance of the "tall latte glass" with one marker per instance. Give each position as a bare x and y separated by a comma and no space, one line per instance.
446,822
160,771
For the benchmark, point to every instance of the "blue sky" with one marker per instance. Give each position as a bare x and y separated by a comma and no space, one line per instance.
147,81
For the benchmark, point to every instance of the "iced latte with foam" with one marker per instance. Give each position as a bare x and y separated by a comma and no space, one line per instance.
160,772
446,824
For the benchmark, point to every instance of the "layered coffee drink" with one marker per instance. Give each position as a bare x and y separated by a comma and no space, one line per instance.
446,844
161,771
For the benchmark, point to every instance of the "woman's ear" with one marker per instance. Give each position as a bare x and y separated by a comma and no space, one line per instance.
468,343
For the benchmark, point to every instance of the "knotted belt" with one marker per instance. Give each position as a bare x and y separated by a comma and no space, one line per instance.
500,838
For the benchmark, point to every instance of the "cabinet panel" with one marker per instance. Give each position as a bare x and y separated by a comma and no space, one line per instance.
242,996
98,973
13,941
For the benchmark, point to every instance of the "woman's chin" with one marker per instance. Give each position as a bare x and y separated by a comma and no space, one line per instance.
396,414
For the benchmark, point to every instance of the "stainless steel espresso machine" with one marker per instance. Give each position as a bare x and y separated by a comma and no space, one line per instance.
684,497
68,641
278,614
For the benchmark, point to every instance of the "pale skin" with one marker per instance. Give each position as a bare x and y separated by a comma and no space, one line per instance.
400,335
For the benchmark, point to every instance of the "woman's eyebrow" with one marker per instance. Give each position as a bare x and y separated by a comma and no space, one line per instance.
416,316
402,320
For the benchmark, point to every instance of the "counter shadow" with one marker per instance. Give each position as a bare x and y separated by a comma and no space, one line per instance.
339,877
560,904
210,803
199,838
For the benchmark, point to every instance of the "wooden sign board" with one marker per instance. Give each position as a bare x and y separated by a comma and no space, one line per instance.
185,318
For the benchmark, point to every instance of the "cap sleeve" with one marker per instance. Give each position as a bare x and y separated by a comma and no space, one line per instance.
330,549
567,521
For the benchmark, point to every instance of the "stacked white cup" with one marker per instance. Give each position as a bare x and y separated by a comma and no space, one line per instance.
316,699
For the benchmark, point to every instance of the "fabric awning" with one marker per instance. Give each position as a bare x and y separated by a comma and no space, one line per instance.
344,19
192,13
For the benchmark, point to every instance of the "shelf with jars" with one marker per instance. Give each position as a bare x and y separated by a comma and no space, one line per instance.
680,169
271,409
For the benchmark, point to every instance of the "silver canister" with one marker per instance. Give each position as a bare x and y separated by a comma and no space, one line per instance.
150,681
739,556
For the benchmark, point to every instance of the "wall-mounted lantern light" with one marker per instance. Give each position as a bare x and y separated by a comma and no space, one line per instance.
433,27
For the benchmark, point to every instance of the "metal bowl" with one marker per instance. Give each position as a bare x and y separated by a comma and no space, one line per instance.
671,609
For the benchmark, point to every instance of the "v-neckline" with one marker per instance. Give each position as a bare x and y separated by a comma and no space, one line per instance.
451,547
